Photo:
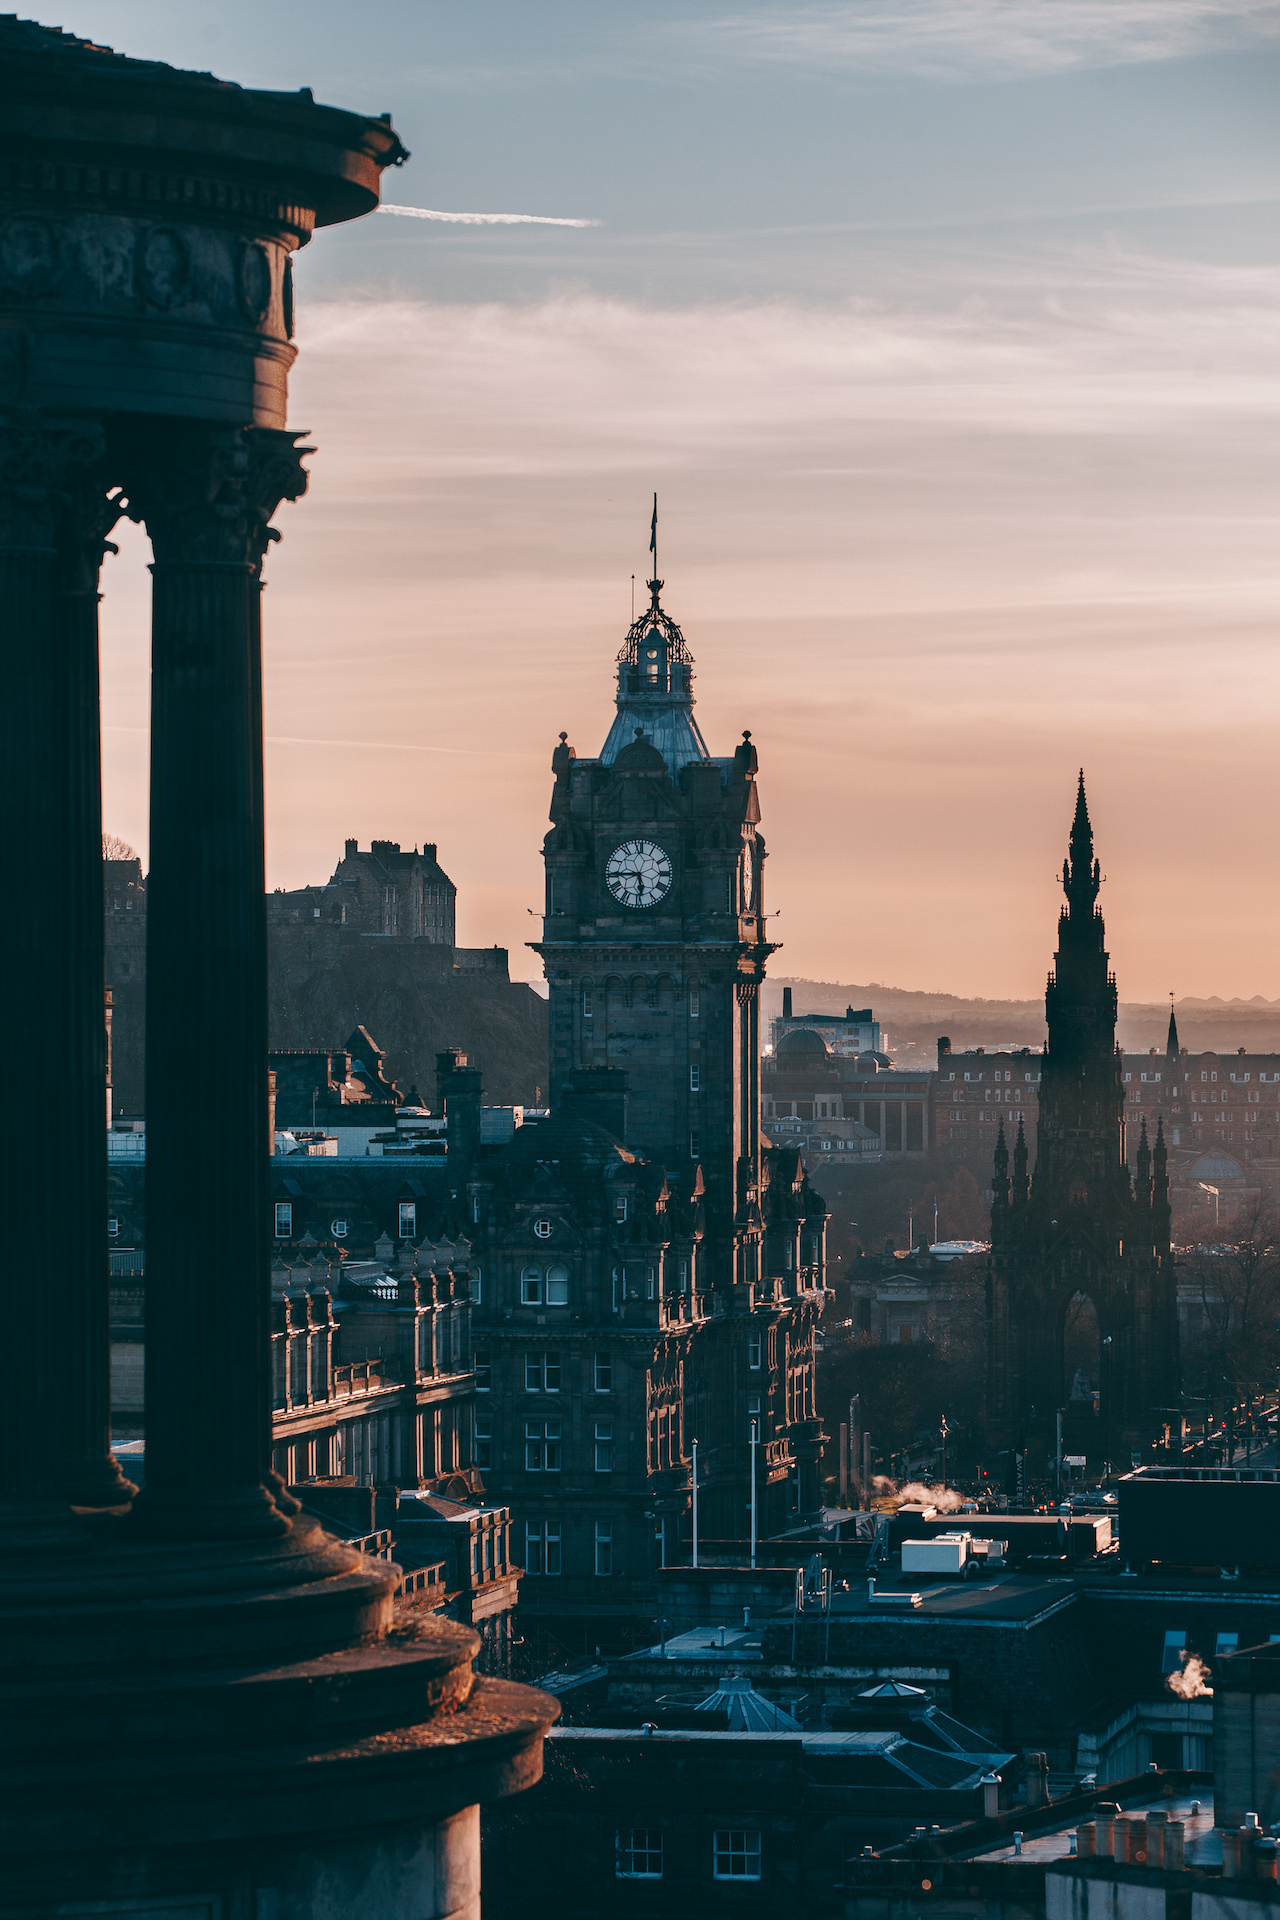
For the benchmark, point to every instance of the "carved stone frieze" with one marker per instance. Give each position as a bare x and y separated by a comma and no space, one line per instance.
105,266
207,495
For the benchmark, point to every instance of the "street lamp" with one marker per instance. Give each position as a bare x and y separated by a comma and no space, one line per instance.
1106,1391
754,1442
944,1431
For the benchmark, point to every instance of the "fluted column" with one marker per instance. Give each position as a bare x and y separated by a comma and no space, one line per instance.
55,1411
206,496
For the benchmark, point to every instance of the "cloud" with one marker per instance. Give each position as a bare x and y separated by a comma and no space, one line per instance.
1100,346
486,219
958,39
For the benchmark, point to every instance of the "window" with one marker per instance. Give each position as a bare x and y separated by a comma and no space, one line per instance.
542,1547
531,1287
694,1003
284,1219
604,1373
557,1286
736,1853
604,1549
651,1284
620,1207
542,1373
695,1146
638,1851
542,1446
753,1351
484,1439
604,1446
1175,1642
1225,1643
113,1229
588,1004
484,1369
542,1229
695,1079
684,1276
408,1219
338,1228
475,1209
477,1285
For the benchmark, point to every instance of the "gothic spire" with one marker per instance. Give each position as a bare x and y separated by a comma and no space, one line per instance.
1020,1167
1081,876
1142,1185
1171,1045
1000,1174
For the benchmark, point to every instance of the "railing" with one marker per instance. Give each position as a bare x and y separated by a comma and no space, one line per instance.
424,1579
364,1376
380,1545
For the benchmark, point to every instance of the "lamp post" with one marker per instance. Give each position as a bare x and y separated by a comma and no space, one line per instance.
695,1503
754,1430
1106,1394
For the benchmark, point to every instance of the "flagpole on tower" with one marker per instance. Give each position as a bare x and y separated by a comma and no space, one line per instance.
653,548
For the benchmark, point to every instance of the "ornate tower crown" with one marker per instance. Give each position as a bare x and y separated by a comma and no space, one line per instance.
655,691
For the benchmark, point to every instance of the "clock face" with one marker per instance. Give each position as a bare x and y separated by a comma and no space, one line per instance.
638,873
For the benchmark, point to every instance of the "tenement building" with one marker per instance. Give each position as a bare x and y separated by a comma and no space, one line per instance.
652,1273
1080,1249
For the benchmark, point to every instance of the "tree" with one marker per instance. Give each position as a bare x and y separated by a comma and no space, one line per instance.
114,848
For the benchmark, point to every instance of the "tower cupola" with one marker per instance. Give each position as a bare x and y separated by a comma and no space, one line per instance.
655,691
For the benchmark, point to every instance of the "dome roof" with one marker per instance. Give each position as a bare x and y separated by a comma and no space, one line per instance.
641,756
1217,1166
803,1042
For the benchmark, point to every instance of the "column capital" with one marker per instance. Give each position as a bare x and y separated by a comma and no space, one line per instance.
206,494
46,461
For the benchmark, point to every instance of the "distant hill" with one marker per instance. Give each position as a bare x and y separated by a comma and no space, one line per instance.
914,1020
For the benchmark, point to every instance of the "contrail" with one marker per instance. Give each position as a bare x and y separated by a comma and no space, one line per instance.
487,219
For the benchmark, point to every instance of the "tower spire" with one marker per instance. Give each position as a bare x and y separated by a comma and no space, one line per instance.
1000,1174
1081,875
1171,1045
1020,1166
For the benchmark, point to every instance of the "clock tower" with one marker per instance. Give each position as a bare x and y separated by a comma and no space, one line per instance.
654,935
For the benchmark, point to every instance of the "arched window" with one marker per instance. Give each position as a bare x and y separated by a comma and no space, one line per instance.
531,1287
557,1286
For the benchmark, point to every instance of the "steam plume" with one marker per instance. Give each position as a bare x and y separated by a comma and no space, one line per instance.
1189,1684
914,1492
487,219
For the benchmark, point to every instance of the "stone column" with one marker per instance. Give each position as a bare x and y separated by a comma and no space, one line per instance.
54,518
206,496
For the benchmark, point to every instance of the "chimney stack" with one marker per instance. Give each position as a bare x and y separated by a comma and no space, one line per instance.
459,1085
